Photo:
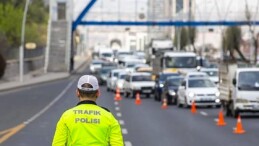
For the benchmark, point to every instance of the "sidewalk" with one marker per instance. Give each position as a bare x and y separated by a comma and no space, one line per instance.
40,77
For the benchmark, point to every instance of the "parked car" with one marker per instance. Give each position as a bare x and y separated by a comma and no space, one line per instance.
170,89
95,66
159,83
141,83
200,90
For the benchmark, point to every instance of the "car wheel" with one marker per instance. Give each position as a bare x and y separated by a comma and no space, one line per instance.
234,112
155,96
108,89
126,94
227,110
178,103
133,94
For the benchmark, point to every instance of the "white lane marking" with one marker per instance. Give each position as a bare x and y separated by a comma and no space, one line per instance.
121,122
117,108
127,143
118,114
204,113
116,102
50,104
124,131
216,120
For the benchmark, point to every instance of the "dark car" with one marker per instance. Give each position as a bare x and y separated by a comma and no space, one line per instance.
103,74
159,83
170,89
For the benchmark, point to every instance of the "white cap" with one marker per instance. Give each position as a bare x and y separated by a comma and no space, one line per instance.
92,80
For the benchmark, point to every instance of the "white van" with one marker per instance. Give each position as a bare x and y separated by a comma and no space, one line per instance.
106,54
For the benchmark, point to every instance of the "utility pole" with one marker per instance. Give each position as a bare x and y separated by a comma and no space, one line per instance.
21,49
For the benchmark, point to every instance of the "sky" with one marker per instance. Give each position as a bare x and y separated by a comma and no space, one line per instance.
225,9
127,8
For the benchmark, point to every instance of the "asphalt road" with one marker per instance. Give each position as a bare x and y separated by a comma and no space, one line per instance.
39,107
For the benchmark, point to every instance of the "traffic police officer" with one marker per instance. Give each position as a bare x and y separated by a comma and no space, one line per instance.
87,124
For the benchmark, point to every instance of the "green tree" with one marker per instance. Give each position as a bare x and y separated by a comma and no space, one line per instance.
10,25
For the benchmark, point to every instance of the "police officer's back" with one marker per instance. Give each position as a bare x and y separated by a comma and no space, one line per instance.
87,123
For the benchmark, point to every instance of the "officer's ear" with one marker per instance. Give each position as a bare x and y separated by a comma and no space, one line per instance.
98,93
77,93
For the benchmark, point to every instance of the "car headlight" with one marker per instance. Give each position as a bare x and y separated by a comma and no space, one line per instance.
242,100
172,92
161,85
191,94
217,94
217,100
119,84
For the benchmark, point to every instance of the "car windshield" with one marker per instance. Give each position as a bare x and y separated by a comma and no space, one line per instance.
198,83
106,54
130,65
139,78
211,73
109,64
122,76
124,53
180,62
163,77
115,74
248,80
105,70
174,82
97,63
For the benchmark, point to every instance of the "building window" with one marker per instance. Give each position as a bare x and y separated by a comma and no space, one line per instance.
179,5
61,11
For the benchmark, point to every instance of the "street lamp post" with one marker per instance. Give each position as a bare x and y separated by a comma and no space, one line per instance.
22,40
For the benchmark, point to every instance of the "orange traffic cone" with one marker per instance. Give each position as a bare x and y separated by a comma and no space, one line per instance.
239,128
138,100
221,121
117,95
164,105
193,108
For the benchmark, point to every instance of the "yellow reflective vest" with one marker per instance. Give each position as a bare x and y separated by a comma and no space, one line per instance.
87,124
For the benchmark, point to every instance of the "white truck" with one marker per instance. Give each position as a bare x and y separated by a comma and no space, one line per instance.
170,61
157,45
239,89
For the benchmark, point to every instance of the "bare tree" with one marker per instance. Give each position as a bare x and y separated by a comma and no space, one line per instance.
252,30
231,43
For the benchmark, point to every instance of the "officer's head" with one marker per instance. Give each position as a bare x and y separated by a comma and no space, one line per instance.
87,87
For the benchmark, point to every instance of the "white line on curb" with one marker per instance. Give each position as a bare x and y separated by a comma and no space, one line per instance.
50,104
121,122
204,113
116,102
127,143
124,131
118,114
